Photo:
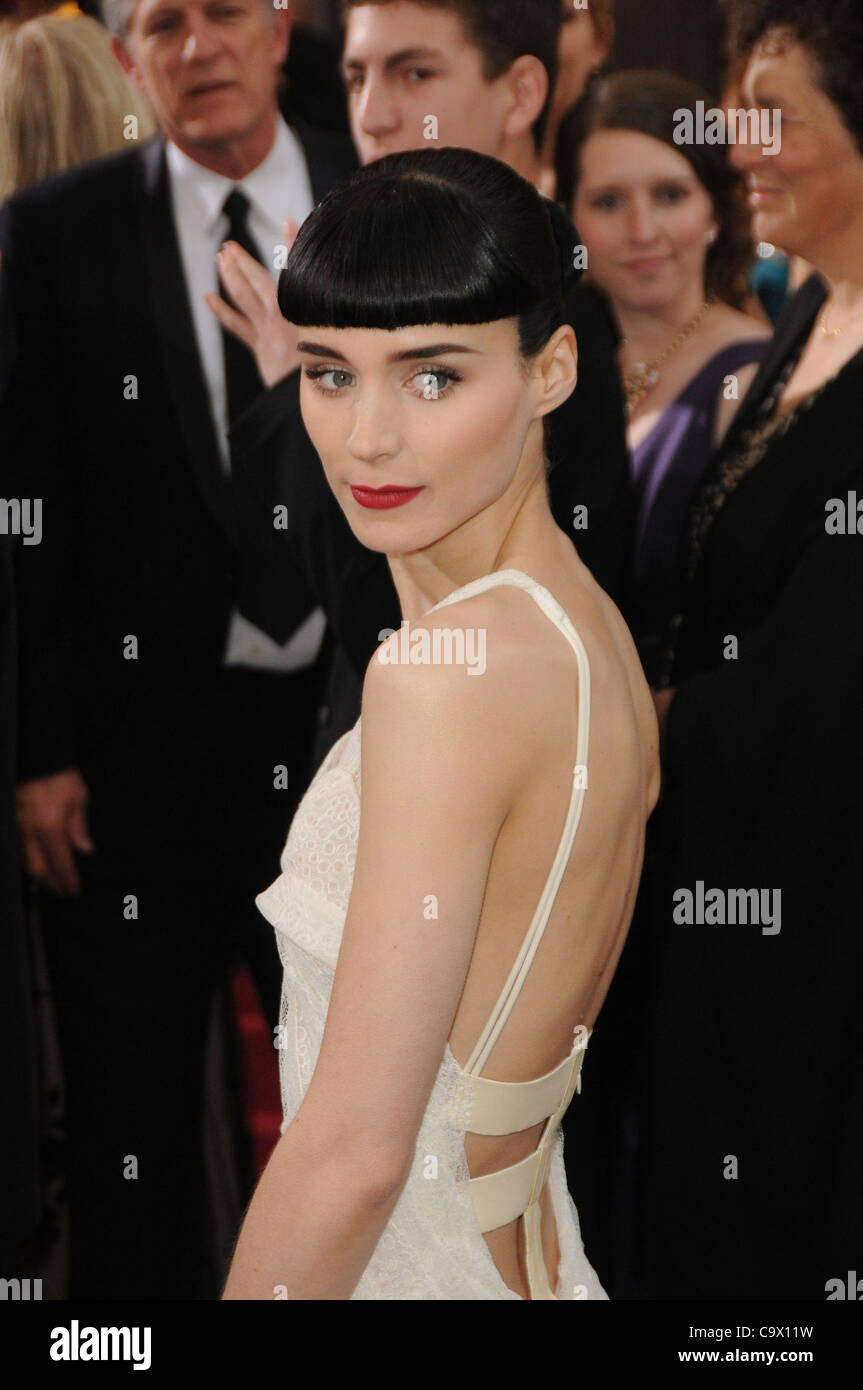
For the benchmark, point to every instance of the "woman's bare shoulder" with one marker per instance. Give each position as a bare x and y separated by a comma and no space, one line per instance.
473,649
477,670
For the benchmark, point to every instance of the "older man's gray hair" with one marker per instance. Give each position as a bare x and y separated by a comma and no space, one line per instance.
117,14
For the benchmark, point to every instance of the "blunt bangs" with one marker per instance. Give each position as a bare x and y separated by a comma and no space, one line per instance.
410,240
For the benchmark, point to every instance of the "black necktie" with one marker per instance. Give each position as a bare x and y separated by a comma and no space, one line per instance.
241,373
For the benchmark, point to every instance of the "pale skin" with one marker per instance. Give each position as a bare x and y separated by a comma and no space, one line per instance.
465,787
209,69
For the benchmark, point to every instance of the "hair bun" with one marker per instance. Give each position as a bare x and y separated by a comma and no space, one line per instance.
567,242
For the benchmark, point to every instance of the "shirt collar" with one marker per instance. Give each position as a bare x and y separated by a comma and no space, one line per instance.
265,187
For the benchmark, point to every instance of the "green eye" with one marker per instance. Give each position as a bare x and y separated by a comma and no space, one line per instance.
434,382
330,380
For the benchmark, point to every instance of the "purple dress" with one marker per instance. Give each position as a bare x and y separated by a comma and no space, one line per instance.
666,468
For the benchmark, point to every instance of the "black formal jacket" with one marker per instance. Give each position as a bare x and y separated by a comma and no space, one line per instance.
19,1080
276,465
104,415
314,91
749,1046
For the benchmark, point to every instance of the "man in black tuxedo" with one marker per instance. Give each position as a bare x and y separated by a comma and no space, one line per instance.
455,72
164,740
19,1079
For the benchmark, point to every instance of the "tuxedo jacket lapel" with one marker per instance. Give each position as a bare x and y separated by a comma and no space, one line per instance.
169,300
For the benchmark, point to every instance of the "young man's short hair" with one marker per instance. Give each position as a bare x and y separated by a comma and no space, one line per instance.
503,30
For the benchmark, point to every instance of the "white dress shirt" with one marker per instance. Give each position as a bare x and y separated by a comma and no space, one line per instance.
278,188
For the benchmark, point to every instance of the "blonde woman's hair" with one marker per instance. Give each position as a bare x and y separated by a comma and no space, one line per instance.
64,98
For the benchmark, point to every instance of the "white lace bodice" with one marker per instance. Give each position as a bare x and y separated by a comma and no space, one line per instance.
432,1246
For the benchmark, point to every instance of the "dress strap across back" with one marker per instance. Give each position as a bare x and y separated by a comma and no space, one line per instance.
517,976
505,1107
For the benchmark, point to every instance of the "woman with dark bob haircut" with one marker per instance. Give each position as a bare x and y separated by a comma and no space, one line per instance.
668,241
752,959
458,880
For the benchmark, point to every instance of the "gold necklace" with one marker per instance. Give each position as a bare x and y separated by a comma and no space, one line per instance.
836,332
644,375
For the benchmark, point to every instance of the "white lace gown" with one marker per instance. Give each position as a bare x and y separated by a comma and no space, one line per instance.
432,1246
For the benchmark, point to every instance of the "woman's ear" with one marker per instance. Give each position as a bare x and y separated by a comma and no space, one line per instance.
555,370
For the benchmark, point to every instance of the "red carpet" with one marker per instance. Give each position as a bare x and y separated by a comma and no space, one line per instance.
259,1069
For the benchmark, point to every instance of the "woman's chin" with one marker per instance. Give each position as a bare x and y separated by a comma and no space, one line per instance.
775,228
380,535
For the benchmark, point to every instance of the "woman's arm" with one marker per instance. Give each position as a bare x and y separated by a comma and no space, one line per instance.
314,1220
436,787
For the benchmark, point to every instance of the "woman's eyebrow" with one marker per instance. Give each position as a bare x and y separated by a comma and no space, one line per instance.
409,354
319,350
435,350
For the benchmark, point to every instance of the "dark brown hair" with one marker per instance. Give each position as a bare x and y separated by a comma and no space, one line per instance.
503,30
650,103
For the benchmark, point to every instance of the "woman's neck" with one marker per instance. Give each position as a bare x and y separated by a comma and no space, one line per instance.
648,332
513,532
847,295
838,256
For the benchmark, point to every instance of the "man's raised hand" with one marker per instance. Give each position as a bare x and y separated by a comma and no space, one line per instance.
255,320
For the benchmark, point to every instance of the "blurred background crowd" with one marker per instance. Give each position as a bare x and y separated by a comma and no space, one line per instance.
164,647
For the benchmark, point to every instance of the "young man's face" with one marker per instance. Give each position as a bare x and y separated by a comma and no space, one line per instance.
415,80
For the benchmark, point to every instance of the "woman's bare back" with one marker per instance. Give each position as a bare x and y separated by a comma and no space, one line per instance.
573,967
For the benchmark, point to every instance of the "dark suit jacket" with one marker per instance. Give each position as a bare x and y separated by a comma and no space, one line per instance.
314,90
275,463
19,1080
104,415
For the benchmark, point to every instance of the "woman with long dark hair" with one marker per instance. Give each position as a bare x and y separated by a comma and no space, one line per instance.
458,881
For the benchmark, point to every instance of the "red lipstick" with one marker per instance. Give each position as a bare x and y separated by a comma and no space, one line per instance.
380,498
